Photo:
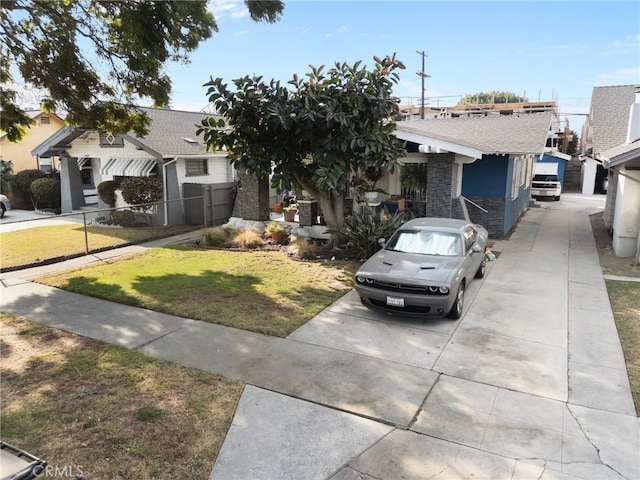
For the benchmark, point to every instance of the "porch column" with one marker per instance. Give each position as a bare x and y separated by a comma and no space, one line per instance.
252,198
443,179
71,193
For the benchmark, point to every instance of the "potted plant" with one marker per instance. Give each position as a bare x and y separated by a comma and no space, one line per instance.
275,231
290,212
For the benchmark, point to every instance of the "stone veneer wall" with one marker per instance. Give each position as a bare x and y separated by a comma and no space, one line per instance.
441,181
493,221
252,199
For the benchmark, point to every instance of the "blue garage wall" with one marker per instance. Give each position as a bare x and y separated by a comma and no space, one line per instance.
514,208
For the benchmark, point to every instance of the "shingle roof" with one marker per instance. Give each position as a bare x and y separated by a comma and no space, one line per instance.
499,134
610,115
169,128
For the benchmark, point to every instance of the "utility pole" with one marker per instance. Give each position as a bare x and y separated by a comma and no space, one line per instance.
422,75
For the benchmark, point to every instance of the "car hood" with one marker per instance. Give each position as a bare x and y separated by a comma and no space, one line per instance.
410,268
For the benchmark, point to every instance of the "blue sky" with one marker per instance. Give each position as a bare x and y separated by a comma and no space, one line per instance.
545,50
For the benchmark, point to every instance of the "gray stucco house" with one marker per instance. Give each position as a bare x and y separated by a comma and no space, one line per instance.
611,141
170,151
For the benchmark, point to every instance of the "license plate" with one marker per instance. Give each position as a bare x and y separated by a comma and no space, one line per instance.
395,302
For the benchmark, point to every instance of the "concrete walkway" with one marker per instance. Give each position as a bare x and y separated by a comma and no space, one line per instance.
530,383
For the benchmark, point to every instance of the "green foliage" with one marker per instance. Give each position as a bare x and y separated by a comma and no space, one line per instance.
130,41
149,413
139,192
363,231
107,192
413,176
328,130
572,148
6,175
23,180
46,193
274,227
491,97
124,218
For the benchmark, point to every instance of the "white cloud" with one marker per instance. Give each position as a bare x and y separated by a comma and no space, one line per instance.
340,31
233,8
627,44
622,74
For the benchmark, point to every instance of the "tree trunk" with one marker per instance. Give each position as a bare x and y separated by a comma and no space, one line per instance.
332,210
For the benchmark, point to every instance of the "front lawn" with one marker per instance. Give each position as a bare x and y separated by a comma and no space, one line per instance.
33,245
625,303
261,291
106,412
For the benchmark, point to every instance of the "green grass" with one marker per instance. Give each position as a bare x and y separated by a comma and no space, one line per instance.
625,303
33,245
261,291
109,412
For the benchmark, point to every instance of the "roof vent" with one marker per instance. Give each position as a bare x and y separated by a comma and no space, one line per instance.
190,140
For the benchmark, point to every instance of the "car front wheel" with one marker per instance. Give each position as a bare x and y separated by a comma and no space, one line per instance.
481,269
456,310
2,210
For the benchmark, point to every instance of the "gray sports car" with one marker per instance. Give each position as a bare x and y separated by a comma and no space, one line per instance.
424,268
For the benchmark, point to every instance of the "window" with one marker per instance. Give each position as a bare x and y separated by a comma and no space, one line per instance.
45,121
108,141
195,167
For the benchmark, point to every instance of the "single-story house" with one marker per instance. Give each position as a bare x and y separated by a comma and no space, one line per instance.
170,151
622,162
479,167
605,127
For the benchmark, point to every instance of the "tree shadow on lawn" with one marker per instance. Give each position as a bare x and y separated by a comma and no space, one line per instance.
214,297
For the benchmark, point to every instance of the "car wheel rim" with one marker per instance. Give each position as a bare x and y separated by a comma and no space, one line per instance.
460,299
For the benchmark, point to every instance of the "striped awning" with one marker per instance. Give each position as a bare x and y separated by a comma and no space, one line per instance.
129,167
82,161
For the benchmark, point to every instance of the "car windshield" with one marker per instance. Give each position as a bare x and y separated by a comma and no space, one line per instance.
425,242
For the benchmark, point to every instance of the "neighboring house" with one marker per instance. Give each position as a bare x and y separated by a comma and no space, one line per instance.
45,124
170,151
479,167
605,127
622,161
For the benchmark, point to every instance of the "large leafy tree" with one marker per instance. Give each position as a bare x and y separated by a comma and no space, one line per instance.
93,57
322,135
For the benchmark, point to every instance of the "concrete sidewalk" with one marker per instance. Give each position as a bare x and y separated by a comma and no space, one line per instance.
530,383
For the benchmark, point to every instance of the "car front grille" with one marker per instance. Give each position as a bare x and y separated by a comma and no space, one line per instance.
402,288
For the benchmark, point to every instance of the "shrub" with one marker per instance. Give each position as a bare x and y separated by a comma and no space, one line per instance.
46,193
302,247
125,218
217,236
23,180
141,191
362,231
247,238
107,192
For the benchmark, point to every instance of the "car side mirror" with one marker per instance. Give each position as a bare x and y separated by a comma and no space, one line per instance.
382,242
476,248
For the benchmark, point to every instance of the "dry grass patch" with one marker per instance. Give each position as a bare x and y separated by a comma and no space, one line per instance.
109,411
625,303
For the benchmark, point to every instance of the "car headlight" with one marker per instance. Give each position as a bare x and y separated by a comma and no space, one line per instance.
444,290
360,279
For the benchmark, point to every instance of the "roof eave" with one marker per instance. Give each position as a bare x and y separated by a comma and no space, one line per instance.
58,142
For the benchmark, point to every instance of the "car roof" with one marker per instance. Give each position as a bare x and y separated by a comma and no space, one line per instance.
432,223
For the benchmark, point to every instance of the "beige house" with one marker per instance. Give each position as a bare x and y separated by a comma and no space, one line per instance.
45,124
